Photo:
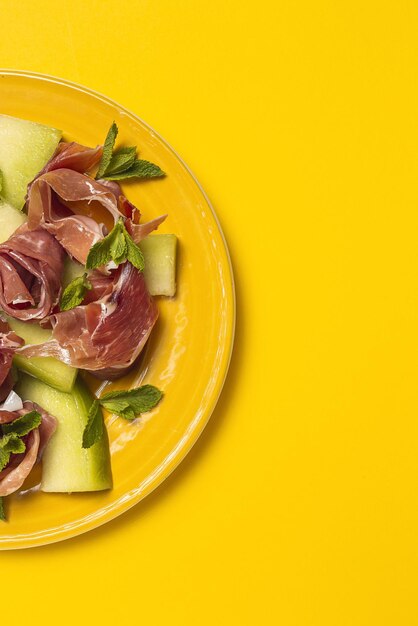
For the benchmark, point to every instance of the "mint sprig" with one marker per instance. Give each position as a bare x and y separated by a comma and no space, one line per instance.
22,425
117,246
74,293
10,444
126,404
123,163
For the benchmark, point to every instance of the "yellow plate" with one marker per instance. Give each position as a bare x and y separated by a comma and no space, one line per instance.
189,351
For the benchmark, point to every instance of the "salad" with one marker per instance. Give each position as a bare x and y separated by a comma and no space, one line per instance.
78,276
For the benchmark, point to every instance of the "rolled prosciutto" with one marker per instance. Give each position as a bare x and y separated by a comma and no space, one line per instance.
31,264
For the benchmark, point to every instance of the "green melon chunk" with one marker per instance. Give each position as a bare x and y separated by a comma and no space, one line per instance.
160,264
10,220
25,147
67,466
46,368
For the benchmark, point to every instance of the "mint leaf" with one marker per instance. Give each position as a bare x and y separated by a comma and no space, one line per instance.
139,169
74,293
22,425
123,163
134,253
10,444
115,404
129,404
2,513
116,246
94,427
121,160
4,458
120,407
107,150
100,253
128,414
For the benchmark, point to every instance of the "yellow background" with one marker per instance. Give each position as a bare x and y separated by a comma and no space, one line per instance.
299,504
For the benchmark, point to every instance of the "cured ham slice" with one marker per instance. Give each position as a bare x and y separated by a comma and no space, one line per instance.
105,335
31,264
73,156
13,476
137,231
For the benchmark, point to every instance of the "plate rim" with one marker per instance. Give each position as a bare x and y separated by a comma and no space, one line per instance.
106,514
